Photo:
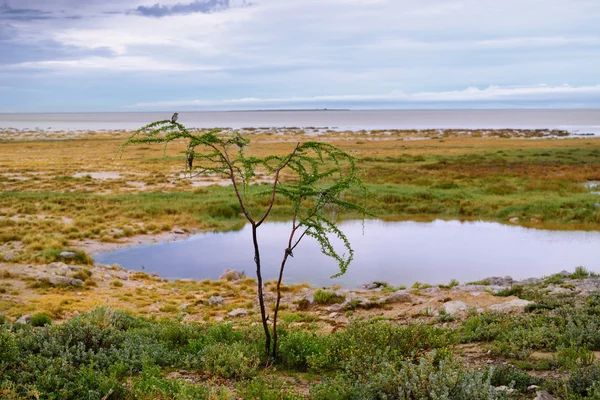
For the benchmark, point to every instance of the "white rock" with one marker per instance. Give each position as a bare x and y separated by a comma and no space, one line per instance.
24,319
68,255
398,297
513,305
334,307
184,306
57,265
543,395
455,307
216,301
514,220
232,275
238,312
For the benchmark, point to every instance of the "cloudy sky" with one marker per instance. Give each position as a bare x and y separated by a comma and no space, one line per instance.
140,55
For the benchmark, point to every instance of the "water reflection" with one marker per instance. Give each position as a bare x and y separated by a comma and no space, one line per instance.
396,252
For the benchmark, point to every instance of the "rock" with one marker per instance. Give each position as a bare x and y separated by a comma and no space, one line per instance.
431,290
535,221
107,276
530,281
59,280
369,286
504,389
532,388
398,297
543,395
178,231
560,290
184,306
478,288
219,319
238,312
353,301
216,301
332,315
513,305
269,298
455,307
155,275
334,307
373,286
498,281
75,268
514,220
596,205
232,275
564,273
24,319
68,255
57,265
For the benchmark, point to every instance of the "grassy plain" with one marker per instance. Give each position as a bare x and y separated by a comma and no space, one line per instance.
125,335
57,194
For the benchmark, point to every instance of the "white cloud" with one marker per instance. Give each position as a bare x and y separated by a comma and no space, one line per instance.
493,93
121,63
292,49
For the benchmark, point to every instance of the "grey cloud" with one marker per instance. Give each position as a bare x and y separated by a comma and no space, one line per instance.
28,14
205,6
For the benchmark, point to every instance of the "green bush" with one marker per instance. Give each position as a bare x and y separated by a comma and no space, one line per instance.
297,347
513,377
363,339
431,378
40,320
327,297
83,274
581,381
235,360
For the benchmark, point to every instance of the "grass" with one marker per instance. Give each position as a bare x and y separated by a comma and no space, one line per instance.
129,357
327,297
538,181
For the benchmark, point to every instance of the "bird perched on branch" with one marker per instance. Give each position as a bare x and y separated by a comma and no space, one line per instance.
174,118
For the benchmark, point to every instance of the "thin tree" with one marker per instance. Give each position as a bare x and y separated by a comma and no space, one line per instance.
316,177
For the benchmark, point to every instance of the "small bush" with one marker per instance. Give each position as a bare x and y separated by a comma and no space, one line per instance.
83,274
582,380
513,377
40,320
235,360
327,297
581,273
116,284
515,290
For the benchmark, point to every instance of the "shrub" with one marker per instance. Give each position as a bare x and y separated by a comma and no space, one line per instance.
40,320
377,378
83,274
581,273
515,290
235,360
582,380
363,339
513,377
297,347
327,297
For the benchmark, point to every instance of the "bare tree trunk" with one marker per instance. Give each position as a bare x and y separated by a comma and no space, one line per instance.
285,257
261,298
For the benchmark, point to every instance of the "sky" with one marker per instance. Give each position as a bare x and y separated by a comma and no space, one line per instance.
144,55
